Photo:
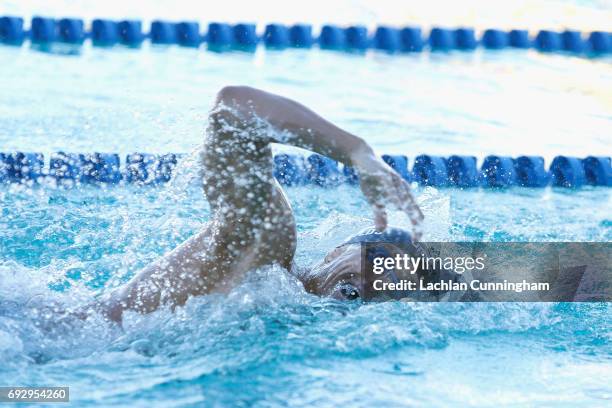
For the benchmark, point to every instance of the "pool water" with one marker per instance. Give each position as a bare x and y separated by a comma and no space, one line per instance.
268,343
512,102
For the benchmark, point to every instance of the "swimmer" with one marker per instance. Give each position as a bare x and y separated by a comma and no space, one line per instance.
252,224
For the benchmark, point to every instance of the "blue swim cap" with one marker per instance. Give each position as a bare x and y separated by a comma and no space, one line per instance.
401,239
392,235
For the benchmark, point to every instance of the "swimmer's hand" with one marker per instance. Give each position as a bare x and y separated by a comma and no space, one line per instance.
383,186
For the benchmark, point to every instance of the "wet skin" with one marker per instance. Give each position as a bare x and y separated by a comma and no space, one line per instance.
253,223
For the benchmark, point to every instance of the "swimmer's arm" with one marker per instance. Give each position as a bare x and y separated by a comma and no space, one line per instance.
253,225
299,126
197,266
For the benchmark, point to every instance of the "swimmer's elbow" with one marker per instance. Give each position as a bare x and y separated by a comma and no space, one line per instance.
232,103
231,95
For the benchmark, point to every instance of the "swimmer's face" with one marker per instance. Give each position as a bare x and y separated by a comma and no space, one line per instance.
338,275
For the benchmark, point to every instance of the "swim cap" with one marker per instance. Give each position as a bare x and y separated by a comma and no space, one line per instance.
401,239
392,235
398,237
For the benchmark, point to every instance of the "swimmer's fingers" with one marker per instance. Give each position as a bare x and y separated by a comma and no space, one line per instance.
383,186
408,205
375,193
380,217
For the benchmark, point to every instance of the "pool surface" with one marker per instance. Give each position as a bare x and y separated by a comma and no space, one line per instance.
511,102
268,343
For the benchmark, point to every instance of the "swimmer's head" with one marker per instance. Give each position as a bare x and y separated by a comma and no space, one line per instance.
339,274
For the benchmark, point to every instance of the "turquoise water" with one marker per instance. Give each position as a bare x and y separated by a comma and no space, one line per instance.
268,343
156,99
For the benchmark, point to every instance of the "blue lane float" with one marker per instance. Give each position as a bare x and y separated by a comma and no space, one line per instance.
11,30
332,38
495,39
219,35
70,168
323,171
462,171
21,167
498,172
399,163
530,171
548,41
100,168
519,39
350,175
43,30
65,167
300,36
276,36
165,167
291,170
245,36
412,39
572,41
71,31
357,38
567,171
130,33
430,170
188,34
600,42
142,168
598,171
441,39
465,39
163,32
104,33
387,39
